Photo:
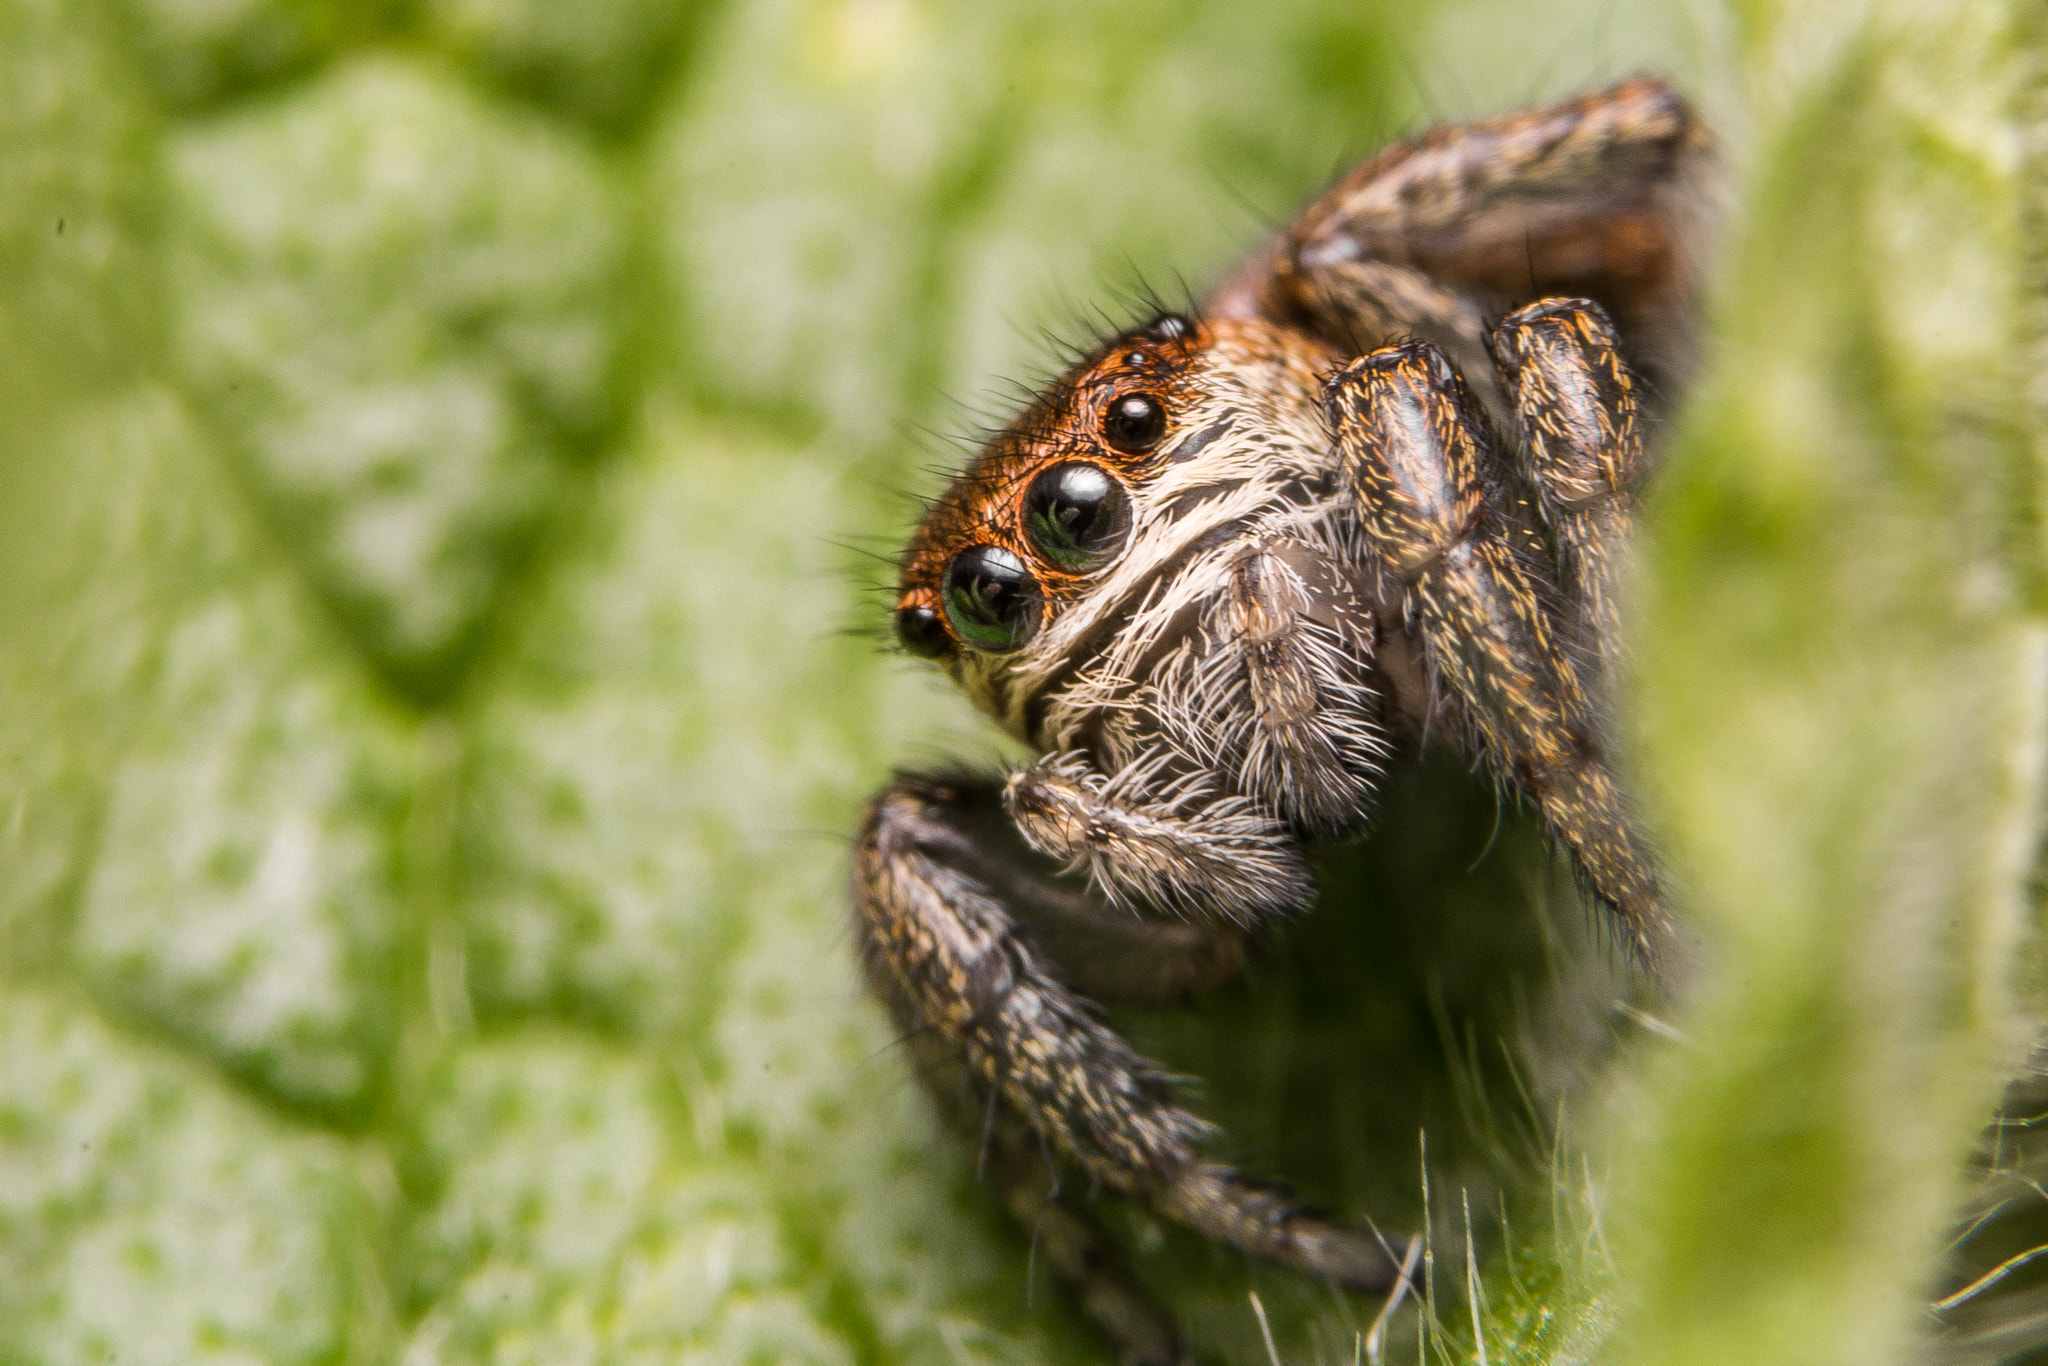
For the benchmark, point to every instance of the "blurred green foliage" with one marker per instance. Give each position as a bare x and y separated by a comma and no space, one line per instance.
441,441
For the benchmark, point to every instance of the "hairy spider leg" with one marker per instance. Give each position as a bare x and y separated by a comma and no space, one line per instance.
1599,197
1417,449
970,983
1361,304
1578,420
1012,1156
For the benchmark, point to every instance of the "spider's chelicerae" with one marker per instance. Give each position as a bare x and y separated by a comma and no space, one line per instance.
1378,488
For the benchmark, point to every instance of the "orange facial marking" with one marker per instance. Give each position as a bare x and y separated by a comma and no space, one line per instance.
984,505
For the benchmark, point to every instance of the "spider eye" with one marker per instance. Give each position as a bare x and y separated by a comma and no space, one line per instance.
920,632
1077,516
1134,423
991,598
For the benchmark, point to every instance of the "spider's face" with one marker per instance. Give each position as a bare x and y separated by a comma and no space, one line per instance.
1087,512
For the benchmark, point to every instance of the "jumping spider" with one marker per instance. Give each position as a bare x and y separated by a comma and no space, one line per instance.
1378,488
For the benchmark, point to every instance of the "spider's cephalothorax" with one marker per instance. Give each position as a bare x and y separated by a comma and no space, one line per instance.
1379,487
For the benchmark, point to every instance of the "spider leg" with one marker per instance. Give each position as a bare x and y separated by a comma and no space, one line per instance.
1578,413
1418,450
1600,196
959,967
1362,305
1013,1158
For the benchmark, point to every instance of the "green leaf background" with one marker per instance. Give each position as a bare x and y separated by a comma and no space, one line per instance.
443,442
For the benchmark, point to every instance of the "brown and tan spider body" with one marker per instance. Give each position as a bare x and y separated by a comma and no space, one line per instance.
1216,573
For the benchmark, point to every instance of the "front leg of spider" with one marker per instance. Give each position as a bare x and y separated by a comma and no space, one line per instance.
1578,413
1419,452
1597,197
1040,1082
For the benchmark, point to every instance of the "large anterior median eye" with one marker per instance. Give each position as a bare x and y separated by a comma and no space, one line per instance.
991,598
1077,516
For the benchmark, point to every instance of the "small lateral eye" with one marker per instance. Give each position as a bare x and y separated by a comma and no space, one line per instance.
920,632
1077,516
1134,423
1168,327
991,598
